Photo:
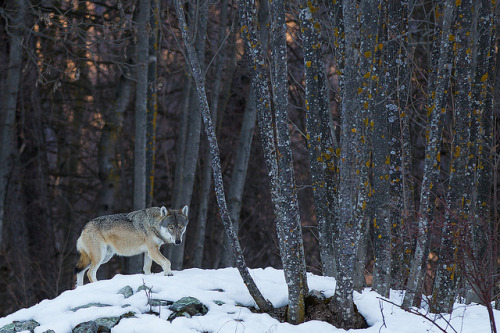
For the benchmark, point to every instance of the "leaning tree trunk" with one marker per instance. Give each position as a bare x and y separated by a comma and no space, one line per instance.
436,110
199,80
8,125
134,264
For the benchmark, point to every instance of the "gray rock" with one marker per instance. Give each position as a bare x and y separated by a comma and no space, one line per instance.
187,306
159,302
126,291
19,326
144,287
89,305
87,327
107,322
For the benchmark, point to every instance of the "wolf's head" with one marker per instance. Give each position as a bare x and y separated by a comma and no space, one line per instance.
173,224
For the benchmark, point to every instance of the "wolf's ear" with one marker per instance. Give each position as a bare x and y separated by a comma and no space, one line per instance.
163,211
185,210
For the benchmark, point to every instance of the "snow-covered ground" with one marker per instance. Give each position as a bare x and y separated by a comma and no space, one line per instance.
225,285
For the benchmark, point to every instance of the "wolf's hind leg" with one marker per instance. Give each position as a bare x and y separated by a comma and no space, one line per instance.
97,257
147,263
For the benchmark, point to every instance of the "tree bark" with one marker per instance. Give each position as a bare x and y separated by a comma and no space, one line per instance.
134,264
321,141
191,155
152,100
436,110
8,125
237,182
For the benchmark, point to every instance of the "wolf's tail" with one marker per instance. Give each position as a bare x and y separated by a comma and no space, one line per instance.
83,262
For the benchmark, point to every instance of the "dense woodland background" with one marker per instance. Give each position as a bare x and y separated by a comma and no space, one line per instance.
360,136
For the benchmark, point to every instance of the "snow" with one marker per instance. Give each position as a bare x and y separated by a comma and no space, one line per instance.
227,286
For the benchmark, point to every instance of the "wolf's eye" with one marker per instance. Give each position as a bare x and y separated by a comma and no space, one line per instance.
171,227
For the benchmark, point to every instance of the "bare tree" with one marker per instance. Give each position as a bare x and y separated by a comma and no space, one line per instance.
436,111
9,105
134,264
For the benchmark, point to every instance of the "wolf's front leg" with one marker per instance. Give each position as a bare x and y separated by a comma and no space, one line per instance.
147,263
155,254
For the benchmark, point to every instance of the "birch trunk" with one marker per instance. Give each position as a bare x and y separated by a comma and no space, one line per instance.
436,110
199,80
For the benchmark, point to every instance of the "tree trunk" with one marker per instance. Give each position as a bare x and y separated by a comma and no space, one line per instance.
134,264
185,192
238,176
152,100
8,125
436,110
289,229
107,159
195,67
321,141
206,174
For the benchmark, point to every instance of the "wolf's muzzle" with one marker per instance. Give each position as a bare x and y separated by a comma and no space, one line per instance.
177,241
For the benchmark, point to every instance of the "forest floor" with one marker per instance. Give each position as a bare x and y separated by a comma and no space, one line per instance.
147,307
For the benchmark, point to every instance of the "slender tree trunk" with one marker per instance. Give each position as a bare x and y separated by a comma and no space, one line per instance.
349,232
206,174
237,183
152,100
8,124
436,110
459,187
107,159
321,141
401,185
195,67
184,194
134,264
289,229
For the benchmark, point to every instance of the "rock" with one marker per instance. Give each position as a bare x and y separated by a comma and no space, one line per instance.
19,326
107,322
104,324
159,302
126,291
144,287
89,305
87,327
219,303
187,306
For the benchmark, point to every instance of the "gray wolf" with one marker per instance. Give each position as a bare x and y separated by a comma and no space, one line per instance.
142,231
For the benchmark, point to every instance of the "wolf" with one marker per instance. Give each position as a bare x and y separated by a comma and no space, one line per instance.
142,231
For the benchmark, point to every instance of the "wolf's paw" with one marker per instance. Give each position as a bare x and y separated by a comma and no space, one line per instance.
168,274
